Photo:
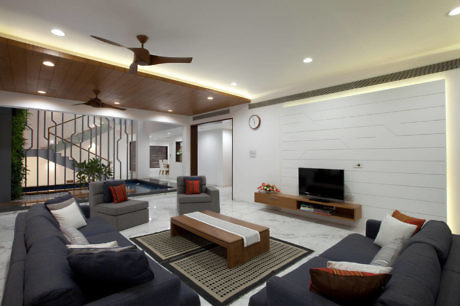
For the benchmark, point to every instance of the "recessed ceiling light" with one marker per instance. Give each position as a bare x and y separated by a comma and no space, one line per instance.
58,32
210,98
233,83
307,60
48,63
42,92
455,11
170,110
116,102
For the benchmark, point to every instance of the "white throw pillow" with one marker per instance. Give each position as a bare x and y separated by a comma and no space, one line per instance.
104,245
387,255
391,229
354,266
69,216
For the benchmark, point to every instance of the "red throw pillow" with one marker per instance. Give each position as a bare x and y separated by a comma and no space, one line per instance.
192,186
408,219
346,287
119,193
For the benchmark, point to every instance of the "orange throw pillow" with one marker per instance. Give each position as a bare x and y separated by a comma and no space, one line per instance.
408,219
345,287
119,193
192,186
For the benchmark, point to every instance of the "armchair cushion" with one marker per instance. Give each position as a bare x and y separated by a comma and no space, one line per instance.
181,183
192,186
194,198
107,198
119,193
122,208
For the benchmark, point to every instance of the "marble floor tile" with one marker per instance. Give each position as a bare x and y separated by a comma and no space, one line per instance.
313,234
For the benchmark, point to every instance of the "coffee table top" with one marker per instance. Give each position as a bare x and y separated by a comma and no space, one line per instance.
207,230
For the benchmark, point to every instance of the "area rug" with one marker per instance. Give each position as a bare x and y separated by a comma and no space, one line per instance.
203,266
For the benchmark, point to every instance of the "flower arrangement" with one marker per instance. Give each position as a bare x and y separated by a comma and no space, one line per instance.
267,188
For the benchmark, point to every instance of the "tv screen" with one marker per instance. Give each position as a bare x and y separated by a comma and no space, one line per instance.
321,183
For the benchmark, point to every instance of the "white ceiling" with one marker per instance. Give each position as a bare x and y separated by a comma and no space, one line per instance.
259,44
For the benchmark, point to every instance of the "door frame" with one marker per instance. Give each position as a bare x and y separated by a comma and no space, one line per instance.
194,147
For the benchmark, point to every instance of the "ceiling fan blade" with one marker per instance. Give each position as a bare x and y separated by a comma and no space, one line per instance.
108,41
133,68
111,106
155,59
80,104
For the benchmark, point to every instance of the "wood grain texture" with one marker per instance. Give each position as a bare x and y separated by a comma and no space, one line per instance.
236,252
74,78
344,211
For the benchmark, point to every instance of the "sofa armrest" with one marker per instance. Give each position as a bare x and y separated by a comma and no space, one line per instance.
160,294
282,292
372,228
214,193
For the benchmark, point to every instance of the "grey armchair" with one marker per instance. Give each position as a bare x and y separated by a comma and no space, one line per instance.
208,199
122,215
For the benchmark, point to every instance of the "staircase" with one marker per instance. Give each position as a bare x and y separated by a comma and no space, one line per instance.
52,156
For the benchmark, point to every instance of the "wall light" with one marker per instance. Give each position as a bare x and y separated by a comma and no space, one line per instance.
210,98
42,92
116,102
170,110
307,60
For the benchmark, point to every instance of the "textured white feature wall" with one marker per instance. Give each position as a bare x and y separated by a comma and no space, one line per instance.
397,135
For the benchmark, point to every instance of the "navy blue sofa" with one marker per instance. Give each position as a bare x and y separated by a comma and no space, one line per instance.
39,273
427,272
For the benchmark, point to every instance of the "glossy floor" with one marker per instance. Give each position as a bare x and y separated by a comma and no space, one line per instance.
312,234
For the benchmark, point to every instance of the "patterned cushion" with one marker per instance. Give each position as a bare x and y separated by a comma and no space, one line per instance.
107,194
192,186
407,219
347,286
119,193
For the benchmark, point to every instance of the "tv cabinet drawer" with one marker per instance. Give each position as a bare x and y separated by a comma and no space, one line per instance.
275,199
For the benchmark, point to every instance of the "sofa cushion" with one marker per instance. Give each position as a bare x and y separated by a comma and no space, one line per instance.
121,208
438,235
39,227
110,236
119,193
387,255
192,186
194,198
391,229
347,286
408,219
96,226
40,210
48,279
354,247
73,235
97,277
59,199
107,197
415,280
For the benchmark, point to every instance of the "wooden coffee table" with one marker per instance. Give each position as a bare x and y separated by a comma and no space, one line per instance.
236,252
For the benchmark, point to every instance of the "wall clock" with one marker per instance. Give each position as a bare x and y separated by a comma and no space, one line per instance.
254,122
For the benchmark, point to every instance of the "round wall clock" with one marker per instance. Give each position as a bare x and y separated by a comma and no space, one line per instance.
254,122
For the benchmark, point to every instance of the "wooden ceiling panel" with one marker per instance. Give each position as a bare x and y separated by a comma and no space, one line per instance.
74,78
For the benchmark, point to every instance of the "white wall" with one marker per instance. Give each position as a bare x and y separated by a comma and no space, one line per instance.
210,156
267,166
227,161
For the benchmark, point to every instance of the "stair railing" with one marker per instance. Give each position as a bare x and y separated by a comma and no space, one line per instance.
74,144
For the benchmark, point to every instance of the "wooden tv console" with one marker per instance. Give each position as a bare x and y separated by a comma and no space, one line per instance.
343,211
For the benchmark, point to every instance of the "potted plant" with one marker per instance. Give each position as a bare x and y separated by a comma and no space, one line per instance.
92,170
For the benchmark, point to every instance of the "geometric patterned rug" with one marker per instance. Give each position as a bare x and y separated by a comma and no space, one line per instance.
203,266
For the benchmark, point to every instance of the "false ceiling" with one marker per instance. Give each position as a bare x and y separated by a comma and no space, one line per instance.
74,78
259,44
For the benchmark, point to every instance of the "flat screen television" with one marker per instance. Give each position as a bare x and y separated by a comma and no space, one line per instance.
326,184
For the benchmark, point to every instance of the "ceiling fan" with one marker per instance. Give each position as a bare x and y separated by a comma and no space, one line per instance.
96,102
143,57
